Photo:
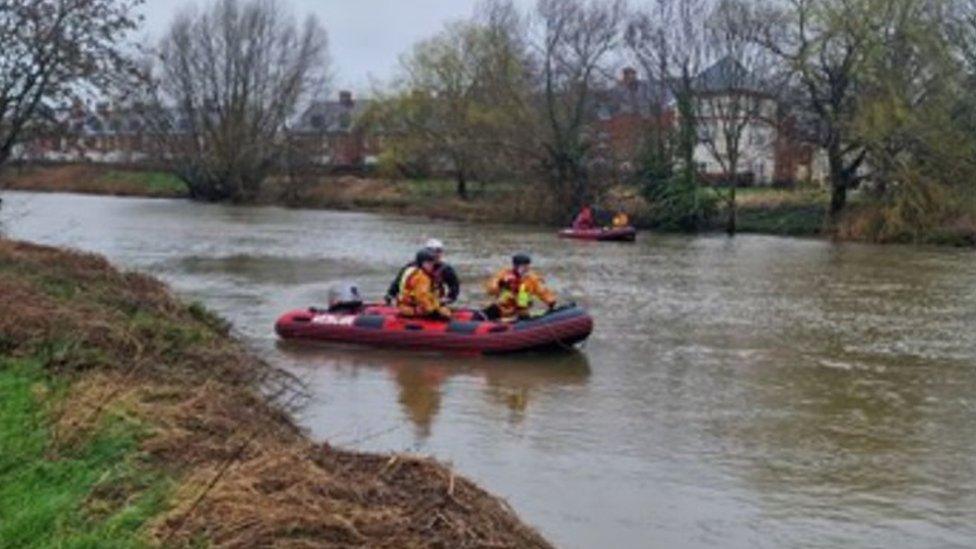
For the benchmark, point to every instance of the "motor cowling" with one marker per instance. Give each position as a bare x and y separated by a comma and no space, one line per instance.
344,297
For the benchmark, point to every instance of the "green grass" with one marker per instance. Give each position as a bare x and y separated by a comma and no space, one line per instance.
98,493
781,211
786,220
441,188
155,183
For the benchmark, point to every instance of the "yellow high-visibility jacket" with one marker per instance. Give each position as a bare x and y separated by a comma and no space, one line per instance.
418,296
514,294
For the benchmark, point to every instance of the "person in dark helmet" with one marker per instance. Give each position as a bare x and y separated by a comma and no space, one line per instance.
515,289
417,295
446,280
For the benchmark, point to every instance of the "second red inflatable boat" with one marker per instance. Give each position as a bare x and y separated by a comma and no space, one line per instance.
628,234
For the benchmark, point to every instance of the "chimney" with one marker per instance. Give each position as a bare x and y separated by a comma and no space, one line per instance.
345,98
629,77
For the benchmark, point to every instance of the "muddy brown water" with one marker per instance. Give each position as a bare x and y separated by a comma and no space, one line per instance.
746,392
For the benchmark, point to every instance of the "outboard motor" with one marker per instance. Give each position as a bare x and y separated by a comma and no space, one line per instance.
344,298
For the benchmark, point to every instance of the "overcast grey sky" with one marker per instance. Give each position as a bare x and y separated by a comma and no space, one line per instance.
366,37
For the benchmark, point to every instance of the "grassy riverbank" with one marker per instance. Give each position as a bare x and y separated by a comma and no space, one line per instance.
130,418
761,210
795,212
92,179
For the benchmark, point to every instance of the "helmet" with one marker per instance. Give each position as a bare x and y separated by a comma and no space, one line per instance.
521,259
344,294
434,245
425,255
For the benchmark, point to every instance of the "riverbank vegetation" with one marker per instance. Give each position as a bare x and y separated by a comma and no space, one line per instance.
130,418
93,179
761,210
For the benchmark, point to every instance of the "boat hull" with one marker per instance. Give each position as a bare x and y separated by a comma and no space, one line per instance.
380,326
622,234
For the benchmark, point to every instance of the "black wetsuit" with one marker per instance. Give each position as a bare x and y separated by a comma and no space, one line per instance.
445,280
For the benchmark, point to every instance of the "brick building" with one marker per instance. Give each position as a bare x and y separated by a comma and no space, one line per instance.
326,129
770,149
84,134
329,131
329,135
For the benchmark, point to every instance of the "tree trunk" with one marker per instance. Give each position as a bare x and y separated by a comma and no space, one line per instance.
462,185
838,199
730,227
838,181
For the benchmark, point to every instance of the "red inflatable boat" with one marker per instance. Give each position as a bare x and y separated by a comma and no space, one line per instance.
628,234
379,325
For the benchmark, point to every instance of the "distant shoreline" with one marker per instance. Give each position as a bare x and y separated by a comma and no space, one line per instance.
760,210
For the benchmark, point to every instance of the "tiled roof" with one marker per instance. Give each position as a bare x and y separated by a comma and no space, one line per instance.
727,74
635,97
331,116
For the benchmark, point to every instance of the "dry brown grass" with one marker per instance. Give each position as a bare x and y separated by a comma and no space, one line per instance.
90,179
918,211
524,204
247,476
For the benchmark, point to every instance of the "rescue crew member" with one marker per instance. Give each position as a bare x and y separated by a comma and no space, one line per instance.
584,219
621,220
445,278
514,289
417,295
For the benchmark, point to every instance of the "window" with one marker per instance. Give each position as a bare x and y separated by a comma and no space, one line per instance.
318,121
757,136
705,132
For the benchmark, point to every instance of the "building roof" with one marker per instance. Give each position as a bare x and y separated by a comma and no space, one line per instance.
331,116
633,96
727,74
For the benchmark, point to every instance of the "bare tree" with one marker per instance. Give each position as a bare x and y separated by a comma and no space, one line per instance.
735,98
962,33
961,38
668,38
227,83
825,44
54,51
455,99
509,74
575,42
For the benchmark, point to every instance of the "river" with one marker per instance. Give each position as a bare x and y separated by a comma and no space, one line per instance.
747,392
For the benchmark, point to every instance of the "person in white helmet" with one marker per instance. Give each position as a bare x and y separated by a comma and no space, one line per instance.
445,278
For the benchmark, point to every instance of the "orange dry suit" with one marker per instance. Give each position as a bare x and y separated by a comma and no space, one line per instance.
621,220
418,295
513,294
